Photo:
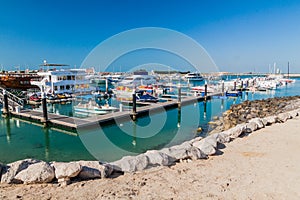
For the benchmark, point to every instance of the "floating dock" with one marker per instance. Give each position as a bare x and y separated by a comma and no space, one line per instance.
72,123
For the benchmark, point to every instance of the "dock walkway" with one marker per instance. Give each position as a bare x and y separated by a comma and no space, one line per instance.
72,123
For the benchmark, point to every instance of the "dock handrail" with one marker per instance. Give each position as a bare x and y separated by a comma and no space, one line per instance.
13,100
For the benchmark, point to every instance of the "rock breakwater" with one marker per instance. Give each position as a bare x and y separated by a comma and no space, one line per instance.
247,110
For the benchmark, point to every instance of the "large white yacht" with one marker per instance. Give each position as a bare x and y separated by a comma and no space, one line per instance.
64,80
139,78
195,76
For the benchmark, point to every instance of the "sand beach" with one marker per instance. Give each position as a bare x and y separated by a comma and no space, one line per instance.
262,165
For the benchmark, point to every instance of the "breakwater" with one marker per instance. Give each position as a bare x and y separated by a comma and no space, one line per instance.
243,112
30,171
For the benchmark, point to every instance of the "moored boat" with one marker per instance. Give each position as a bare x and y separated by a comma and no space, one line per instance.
17,80
196,76
233,93
64,80
147,98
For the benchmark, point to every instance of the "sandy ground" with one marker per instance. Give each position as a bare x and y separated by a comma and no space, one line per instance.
263,165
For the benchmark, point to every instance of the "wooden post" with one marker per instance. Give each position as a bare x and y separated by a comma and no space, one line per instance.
134,105
106,85
205,92
223,88
45,114
179,97
121,107
5,111
234,86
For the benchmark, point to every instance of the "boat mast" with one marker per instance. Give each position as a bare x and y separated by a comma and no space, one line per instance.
288,69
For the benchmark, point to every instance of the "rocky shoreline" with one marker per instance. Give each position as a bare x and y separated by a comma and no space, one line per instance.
240,119
247,110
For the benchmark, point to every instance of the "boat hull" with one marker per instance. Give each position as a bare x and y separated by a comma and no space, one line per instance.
17,80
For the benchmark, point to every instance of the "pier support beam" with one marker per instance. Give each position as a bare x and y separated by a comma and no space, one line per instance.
234,86
5,111
179,96
134,113
45,114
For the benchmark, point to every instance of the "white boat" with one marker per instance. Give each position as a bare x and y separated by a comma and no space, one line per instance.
196,76
285,81
96,79
267,83
200,89
123,92
64,80
115,78
139,78
94,109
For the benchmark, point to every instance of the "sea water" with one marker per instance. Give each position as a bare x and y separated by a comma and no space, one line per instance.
22,139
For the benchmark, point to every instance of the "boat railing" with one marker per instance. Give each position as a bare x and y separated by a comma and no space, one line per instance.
38,79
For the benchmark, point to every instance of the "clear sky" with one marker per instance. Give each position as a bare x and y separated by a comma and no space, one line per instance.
239,35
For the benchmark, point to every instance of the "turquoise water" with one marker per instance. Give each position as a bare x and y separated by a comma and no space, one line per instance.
20,139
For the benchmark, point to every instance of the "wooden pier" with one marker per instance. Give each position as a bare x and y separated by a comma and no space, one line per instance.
72,123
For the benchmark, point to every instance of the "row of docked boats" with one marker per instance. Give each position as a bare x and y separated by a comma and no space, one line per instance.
63,84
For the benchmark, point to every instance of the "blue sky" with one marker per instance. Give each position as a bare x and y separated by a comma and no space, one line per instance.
240,35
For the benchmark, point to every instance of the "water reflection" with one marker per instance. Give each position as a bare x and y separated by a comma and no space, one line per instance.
205,107
8,129
134,133
47,143
179,117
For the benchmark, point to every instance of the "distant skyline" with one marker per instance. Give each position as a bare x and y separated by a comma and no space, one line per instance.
240,36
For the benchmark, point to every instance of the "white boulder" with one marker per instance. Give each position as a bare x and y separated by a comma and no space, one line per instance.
131,163
157,158
40,172
64,171
12,169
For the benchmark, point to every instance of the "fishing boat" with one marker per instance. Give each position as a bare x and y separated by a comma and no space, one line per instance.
18,80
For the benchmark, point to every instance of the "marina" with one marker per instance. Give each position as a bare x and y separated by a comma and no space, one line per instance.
184,116
149,100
